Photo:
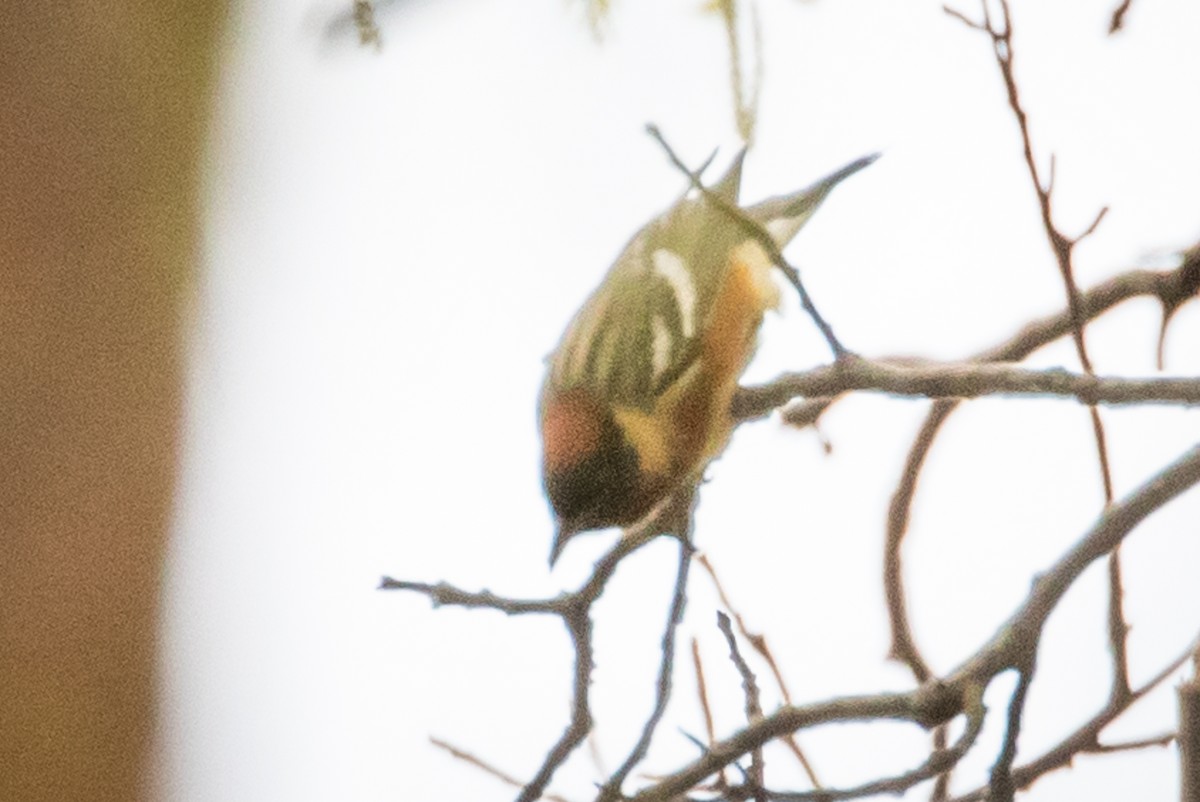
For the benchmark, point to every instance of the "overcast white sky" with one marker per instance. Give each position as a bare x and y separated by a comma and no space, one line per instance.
396,239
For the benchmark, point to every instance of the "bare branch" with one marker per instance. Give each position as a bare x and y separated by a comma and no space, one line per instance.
1172,288
937,701
938,763
941,784
913,706
1086,737
927,379
575,611
1114,525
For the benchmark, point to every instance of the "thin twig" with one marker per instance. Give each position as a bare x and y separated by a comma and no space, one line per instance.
683,503
964,19
1062,246
1118,17
1166,739
903,647
1000,787
759,69
745,112
759,643
486,767
702,691
753,705
442,594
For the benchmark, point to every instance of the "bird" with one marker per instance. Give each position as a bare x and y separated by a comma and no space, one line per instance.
636,397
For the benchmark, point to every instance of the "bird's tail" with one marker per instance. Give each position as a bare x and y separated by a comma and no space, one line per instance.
785,215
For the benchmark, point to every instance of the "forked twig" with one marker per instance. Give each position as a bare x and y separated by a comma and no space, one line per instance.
1086,738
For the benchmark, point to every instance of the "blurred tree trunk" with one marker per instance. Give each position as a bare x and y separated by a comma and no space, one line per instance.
105,111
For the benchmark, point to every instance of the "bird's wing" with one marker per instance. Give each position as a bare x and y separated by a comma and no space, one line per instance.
640,330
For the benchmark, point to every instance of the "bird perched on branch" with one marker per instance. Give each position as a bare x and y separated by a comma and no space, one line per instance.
636,398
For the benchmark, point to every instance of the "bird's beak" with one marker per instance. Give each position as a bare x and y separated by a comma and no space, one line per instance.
561,536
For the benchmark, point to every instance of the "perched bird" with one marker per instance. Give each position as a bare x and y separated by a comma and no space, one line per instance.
637,393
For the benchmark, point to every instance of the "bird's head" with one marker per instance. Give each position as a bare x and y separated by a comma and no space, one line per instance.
591,470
